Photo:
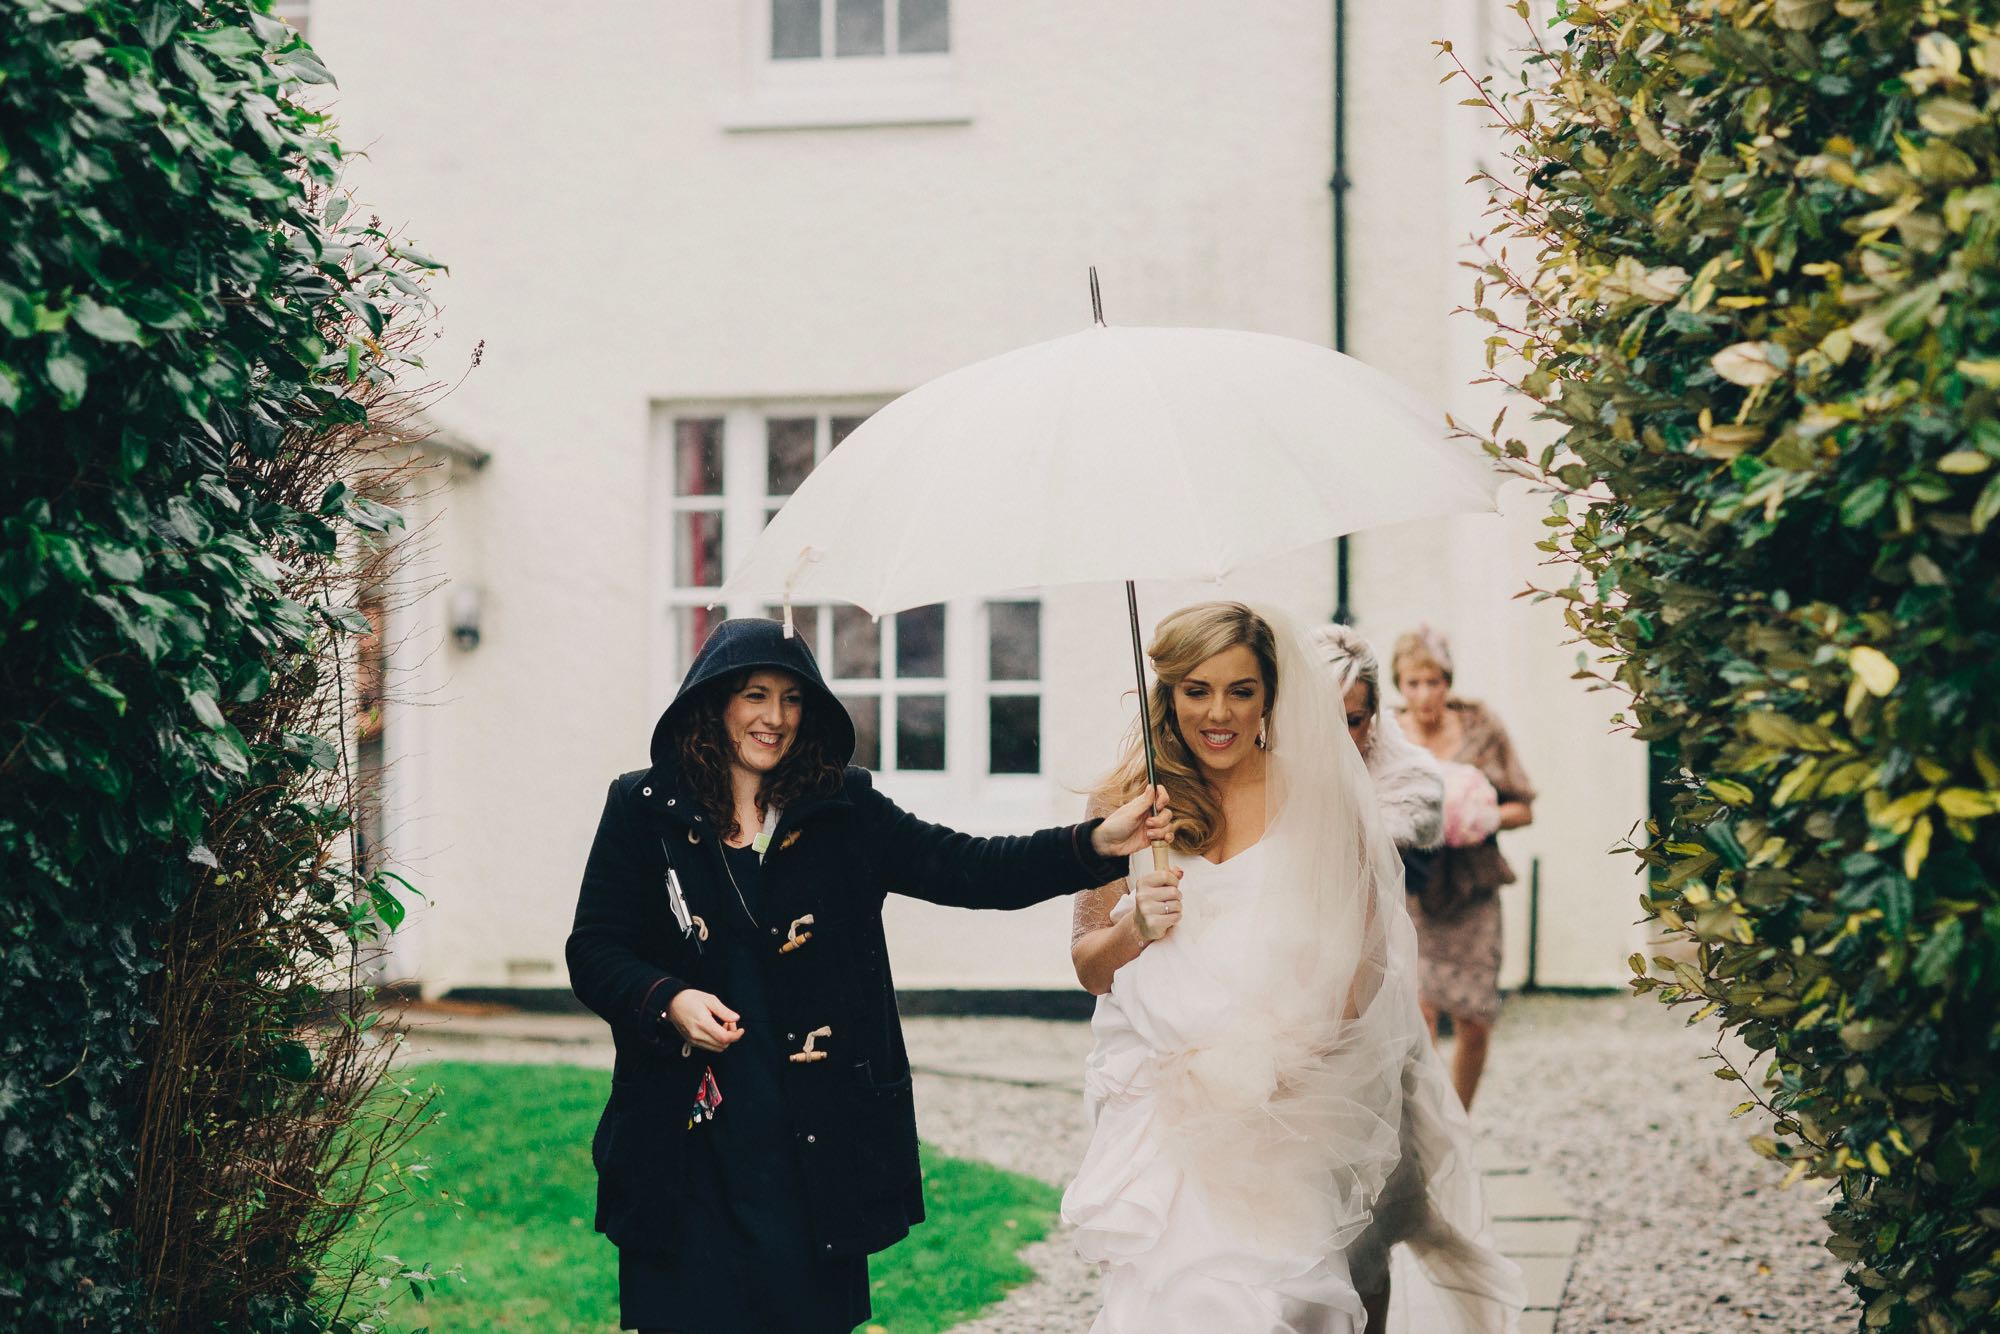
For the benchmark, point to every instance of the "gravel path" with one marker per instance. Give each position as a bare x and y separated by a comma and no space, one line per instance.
1686,1231
1038,1132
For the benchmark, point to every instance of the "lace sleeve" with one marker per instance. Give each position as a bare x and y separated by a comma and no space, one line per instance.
1091,909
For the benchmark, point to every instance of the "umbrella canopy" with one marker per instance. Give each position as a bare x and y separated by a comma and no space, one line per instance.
1111,454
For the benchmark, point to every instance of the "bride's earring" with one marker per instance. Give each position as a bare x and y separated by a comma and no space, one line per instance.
1263,742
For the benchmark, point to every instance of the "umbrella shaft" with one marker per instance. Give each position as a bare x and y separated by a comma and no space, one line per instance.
1139,671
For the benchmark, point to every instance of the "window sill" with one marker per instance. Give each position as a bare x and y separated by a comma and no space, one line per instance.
767,110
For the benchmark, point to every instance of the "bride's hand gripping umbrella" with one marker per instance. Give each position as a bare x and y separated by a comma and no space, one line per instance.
1146,819
1063,462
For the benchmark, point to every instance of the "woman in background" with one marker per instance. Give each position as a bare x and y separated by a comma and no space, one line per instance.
1457,914
1409,785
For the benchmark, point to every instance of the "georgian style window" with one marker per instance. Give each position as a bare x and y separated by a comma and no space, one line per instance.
846,64
844,29
950,689
1014,687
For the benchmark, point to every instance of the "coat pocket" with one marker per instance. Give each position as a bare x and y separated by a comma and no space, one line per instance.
885,1139
640,1150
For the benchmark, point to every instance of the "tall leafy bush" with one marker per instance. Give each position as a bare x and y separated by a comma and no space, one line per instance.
196,346
1746,265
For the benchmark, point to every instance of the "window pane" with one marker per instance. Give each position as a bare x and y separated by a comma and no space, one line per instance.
923,26
841,428
690,627
866,711
857,28
857,645
920,642
698,456
805,623
1014,734
698,548
920,732
1014,647
789,457
795,29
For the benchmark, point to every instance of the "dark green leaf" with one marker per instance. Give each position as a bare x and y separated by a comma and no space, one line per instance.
120,564
1864,502
1938,953
226,747
65,554
387,906
158,22
306,66
292,1060
17,312
205,709
68,376
188,521
233,43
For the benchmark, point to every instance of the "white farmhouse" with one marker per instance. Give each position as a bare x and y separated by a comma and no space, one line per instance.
701,239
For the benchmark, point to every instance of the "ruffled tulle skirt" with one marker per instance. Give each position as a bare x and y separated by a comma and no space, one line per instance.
1196,1233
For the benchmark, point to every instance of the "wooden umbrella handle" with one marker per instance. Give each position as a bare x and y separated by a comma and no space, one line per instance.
1160,863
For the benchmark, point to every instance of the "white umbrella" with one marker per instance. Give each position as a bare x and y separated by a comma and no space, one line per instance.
1112,454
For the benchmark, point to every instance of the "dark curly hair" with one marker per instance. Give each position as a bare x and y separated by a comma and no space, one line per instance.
808,769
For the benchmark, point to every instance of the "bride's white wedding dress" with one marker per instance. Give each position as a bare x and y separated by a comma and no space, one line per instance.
1268,1116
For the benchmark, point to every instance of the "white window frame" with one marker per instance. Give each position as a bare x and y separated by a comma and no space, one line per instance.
963,793
842,92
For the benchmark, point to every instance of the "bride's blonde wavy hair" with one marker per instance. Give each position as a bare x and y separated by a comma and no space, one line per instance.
1182,642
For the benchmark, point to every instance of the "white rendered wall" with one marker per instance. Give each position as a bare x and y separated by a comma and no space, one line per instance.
1411,151
616,245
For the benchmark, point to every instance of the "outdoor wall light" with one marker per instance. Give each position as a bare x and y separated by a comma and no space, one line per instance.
465,608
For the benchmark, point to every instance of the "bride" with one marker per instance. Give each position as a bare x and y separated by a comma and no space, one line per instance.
1268,1118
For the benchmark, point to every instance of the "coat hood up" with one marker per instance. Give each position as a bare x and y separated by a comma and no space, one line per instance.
743,646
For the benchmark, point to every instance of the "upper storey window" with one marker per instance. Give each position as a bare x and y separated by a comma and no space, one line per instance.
815,29
848,64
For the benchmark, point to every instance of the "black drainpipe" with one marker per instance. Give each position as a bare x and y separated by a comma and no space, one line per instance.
1342,612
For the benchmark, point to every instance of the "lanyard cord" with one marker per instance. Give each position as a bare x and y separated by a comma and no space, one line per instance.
762,842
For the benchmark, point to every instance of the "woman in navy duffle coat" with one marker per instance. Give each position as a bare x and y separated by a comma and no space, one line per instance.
760,1140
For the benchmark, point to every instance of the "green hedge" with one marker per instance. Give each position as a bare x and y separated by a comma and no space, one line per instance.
1746,266
191,344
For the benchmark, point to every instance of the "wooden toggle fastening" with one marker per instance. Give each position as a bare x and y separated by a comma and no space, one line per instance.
789,839
809,1055
795,937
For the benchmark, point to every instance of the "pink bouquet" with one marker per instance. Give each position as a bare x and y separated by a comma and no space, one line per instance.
1471,806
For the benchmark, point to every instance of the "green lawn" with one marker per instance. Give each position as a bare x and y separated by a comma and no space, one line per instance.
512,1152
